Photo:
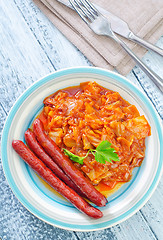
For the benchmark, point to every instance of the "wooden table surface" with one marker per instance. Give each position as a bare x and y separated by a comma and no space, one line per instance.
31,47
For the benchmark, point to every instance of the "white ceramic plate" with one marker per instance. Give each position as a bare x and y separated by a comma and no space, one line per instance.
43,202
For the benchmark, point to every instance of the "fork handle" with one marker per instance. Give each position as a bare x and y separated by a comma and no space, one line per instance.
153,76
145,44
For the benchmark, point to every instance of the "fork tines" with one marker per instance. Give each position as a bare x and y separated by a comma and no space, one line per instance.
85,9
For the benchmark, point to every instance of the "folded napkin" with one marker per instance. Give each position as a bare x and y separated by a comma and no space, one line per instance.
145,19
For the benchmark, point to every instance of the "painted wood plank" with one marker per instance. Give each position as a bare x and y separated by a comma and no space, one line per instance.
22,59
153,211
59,50
134,228
3,115
155,62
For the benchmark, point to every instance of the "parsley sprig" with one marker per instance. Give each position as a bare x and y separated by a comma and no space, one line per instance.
103,153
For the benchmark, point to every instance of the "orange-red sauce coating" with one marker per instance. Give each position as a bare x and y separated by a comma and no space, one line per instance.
79,118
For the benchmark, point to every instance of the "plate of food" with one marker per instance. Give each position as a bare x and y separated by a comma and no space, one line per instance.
81,149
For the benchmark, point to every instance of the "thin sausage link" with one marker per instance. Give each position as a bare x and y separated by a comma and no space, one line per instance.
40,168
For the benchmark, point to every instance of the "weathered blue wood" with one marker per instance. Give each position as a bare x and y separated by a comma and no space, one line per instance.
49,38
31,47
155,62
134,228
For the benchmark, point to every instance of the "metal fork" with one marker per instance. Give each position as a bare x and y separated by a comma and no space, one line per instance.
101,26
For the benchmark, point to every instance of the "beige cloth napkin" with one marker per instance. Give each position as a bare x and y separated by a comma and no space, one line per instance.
144,17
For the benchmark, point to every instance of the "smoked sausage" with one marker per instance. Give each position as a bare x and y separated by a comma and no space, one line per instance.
66,165
49,162
40,168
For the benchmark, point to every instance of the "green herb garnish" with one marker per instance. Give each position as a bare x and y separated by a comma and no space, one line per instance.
74,157
103,153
